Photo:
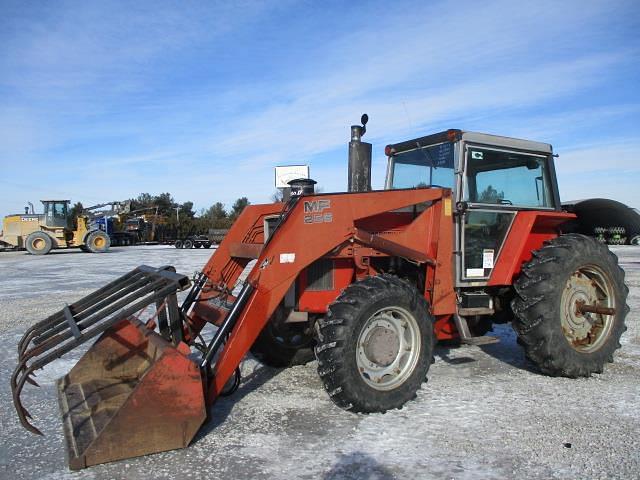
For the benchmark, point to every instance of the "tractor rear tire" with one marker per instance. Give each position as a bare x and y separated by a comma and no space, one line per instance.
178,244
98,242
39,243
375,345
187,244
567,272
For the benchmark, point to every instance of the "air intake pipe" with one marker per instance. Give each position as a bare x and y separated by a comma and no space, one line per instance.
359,158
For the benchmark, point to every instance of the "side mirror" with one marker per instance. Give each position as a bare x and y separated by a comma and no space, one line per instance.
532,164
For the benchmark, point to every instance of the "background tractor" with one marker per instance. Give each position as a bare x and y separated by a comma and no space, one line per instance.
469,231
39,233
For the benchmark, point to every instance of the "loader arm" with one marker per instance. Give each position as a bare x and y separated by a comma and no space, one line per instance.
242,244
314,226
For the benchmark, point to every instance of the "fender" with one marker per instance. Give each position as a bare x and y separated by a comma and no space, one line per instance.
529,231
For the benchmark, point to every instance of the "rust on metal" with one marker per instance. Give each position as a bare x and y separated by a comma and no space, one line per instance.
133,393
245,250
581,309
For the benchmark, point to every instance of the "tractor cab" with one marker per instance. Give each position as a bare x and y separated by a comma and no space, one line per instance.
56,213
491,177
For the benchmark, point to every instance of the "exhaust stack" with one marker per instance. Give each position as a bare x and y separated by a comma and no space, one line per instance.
359,158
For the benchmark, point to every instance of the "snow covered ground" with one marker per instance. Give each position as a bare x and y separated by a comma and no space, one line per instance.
483,414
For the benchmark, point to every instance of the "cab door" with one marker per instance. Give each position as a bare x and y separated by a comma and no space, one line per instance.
496,184
56,214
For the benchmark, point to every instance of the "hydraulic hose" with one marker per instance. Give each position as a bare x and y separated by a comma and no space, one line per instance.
232,318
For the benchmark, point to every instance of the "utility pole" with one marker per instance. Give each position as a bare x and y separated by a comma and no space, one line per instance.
177,221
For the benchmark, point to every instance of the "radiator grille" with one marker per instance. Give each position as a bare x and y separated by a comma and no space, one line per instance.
320,275
270,224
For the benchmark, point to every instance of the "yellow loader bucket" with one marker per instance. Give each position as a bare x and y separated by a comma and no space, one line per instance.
131,394
135,391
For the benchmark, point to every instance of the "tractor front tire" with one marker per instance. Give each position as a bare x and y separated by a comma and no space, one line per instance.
39,243
281,345
98,242
567,273
375,345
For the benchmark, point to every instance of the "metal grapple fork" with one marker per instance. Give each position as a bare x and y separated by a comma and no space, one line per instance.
131,377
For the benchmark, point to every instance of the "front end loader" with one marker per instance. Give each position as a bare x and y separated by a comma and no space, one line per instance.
469,232
41,233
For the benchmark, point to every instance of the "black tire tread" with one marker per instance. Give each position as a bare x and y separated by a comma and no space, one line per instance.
341,381
39,234
537,303
274,355
90,238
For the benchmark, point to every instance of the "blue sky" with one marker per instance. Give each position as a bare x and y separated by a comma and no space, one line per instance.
104,100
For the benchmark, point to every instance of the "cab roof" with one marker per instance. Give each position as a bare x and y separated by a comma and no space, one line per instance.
453,135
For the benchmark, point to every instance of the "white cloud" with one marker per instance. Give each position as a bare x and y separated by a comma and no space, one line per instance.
619,158
495,65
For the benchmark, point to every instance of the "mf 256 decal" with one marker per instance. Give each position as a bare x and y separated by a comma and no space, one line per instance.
315,211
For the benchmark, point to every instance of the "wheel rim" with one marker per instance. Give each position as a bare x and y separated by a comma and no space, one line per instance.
388,348
587,332
38,243
99,242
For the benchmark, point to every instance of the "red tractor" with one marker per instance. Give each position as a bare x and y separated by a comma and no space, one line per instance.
469,231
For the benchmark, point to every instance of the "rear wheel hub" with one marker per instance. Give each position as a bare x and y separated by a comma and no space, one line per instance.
585,331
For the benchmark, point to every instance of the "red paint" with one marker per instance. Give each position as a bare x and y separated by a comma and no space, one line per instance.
313,301
445,329
429,231
528,233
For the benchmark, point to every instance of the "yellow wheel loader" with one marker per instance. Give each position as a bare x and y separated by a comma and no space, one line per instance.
39,233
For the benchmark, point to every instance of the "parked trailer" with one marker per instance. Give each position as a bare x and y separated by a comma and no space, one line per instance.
215,236
194,241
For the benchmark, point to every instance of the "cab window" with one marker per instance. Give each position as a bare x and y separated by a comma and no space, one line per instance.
507,178
60,210
424,167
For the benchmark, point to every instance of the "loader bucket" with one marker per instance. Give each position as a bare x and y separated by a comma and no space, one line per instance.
132,393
